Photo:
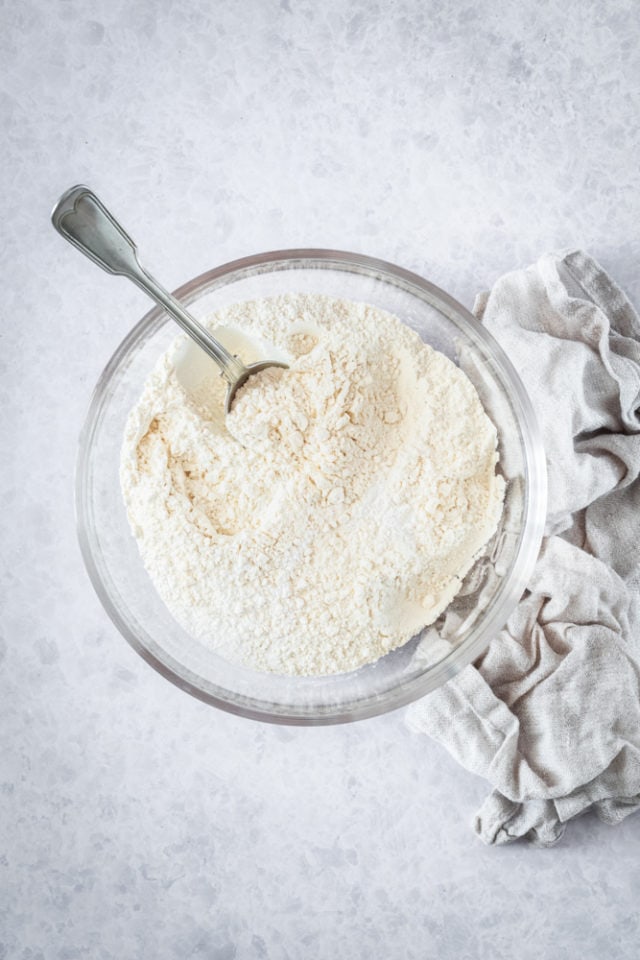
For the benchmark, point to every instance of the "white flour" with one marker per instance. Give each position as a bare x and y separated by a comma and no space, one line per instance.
363,490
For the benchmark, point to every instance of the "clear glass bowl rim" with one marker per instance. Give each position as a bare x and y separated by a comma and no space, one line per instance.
535,501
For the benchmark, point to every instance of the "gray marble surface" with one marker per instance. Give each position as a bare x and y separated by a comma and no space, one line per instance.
458,139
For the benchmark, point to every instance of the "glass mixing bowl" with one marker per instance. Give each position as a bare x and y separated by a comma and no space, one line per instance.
490,590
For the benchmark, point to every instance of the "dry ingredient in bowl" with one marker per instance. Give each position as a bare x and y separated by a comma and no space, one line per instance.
361,490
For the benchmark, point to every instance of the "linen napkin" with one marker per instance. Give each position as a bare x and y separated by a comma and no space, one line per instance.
550,714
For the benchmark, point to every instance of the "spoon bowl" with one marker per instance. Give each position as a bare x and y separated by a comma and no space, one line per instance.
242,378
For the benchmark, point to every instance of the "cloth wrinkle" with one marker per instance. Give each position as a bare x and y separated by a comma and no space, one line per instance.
549,714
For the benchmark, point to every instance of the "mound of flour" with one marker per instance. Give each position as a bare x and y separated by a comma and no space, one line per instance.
336,513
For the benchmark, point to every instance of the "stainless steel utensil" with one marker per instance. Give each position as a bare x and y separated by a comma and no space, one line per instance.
82,219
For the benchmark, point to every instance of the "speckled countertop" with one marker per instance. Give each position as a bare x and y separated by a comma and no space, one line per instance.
458,139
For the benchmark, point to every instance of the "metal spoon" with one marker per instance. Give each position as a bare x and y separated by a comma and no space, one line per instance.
85,222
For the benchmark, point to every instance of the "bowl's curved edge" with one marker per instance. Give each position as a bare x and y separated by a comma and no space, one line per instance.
527,552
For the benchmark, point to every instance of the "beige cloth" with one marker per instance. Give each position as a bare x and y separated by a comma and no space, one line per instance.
550,714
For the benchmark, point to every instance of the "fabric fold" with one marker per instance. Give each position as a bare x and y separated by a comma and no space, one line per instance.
550,714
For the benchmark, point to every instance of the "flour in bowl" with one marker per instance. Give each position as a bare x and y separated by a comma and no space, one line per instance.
335,514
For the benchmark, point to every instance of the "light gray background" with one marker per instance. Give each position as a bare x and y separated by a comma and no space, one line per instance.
460,140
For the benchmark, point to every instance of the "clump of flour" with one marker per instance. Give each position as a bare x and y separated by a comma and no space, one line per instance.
335,514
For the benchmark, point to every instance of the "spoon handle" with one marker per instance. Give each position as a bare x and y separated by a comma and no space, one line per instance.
82,219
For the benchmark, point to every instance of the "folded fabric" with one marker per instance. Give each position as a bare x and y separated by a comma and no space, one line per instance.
550,714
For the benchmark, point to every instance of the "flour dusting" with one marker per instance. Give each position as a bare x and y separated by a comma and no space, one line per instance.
335,514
